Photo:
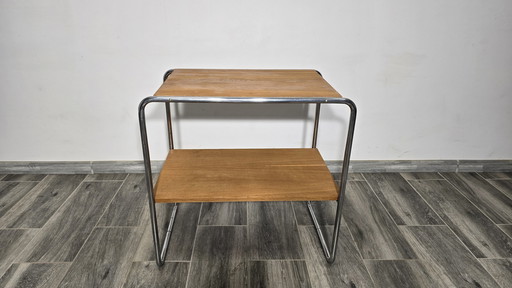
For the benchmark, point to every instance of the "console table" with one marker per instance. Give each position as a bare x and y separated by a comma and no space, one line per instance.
223,175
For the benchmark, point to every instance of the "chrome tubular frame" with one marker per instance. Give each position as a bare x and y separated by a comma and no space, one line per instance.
160,252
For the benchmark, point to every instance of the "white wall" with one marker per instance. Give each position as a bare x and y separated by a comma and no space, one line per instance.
432,79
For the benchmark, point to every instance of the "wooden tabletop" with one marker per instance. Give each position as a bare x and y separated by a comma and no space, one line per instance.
224,175
246,83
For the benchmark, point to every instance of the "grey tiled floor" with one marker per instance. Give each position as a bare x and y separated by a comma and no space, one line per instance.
399,230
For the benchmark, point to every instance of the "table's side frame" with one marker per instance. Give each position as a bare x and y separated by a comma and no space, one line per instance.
160,252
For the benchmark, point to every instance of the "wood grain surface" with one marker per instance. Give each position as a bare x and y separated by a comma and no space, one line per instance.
41,202
496,175
486,197
285,274
24,177
273,231
441,248
505,186
421,176
11,193
181,243
129,204
34,275
106,177
224,213
473,228
12,242
407,273
246,83
220,257
105,259
149,275
405,206
500,269
325,212
374,232
507,229
274,245
225,175
347,271
72,224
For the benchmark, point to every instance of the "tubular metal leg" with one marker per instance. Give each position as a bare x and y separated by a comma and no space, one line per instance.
168,115
315,129
169,125
330,253
160,252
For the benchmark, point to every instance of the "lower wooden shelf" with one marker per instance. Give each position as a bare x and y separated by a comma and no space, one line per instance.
232,175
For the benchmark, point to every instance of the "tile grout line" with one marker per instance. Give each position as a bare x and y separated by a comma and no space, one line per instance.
490,274
490,183
352,236
426,202
453,232
26,196
40,229
94,227
380,201
111,200
476,206
448,226
498,178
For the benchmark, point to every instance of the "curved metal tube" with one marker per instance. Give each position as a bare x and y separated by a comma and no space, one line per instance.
159,252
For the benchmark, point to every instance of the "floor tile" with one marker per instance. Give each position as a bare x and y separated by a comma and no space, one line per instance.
405,206
182,239
500,269
24,177
11,193
507,229
105,259
63,236
40,275
407,273
421,176
273,231
347,270
486,197
224,213
129,204
12,242
219,258
279,273
106,177
447,255
351,176
477,231
496,175
41,202
325,212
505,186
148,274
374,232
